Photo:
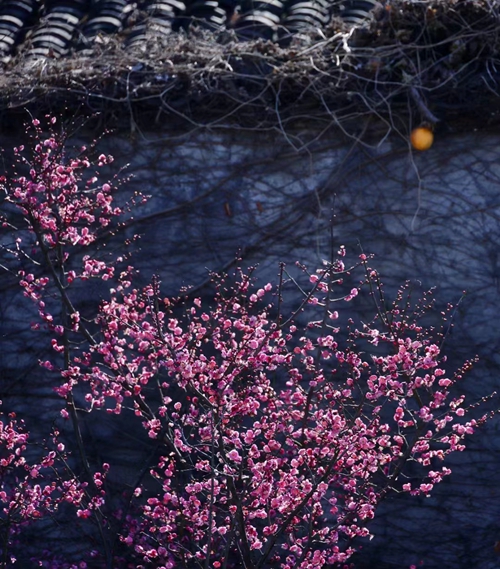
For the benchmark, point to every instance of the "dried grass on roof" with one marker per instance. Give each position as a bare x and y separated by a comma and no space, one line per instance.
432,61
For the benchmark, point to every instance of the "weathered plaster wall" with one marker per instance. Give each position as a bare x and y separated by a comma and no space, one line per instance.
430,217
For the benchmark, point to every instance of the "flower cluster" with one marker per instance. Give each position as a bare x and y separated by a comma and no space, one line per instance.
278,446
30,489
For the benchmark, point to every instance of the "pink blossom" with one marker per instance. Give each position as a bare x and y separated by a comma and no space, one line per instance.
234,455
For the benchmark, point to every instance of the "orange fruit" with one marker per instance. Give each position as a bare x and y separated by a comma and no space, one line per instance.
421,138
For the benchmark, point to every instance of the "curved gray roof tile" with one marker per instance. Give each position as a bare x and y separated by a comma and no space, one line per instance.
51,28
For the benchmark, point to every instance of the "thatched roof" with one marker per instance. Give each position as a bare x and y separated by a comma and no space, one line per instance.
436,61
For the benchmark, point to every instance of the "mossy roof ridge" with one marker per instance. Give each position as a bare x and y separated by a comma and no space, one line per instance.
433,61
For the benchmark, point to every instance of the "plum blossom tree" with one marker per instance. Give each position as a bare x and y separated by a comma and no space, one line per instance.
278,434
